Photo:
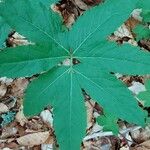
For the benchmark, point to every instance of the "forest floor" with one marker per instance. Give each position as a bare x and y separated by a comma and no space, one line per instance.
20,133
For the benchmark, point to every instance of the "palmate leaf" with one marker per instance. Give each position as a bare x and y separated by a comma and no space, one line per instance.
145,95
125,59
141,32
28,20
29,60
107,90
109,122
61,86
32,19
145,6
99,22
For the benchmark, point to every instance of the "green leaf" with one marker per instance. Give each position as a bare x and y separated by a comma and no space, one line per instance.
99,22
29,60
148,121
47,2
141,32
68,103
146,15
145,95
4,31
145,5
109,123
125,59
147,84
61,86
26,17
110,93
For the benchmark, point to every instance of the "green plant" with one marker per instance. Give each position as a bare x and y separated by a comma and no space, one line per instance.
109,122
145,6
145,95
142,30
60,85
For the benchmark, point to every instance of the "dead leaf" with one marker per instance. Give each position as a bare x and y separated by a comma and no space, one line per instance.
90,109
142,135
6,81
137,87
3,108
33,139
47,147
81,4
144,146
20,117
125,148
8,132
18,87
47,117
3,90
6,148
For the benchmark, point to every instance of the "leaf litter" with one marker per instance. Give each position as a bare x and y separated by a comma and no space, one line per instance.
38,130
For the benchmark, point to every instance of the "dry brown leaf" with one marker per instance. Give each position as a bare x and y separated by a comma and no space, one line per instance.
35,124
6,148
131,23
142,135
90,110
20,117
15,39
8,132
3,90
3,108
145,43
6,81
18,87
33,139
47,117
125,148
144,146
81,4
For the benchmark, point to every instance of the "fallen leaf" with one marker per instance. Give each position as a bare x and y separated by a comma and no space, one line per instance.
8,132
137,87
18,87
20,117
46,147
3,90
144,146
47,117
33,139
3,108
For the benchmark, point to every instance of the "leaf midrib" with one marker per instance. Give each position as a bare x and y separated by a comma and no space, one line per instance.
41,30
70,106
61,75
90,34
33,60
48,35
113,59
106,91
